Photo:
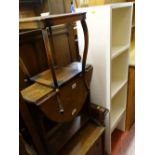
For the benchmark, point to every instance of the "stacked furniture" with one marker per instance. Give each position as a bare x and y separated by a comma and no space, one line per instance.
110,30
54,102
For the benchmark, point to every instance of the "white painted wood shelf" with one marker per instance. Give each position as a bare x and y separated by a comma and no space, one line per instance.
118,107
116,87
109,29
117,50
116,115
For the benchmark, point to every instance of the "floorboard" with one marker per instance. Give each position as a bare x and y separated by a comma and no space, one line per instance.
123,143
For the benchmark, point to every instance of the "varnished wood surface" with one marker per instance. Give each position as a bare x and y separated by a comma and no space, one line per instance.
26,10
81,143
98,113
123,143
35,93
22,149
32,50
71,96
85,52
130,110
60,29
63,74
59,6
31,126
48,21
52,6
49,54
59,137
51,20
71,99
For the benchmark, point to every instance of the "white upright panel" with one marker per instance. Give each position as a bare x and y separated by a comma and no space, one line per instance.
109,29
98,41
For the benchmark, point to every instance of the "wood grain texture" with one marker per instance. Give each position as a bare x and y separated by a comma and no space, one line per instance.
63,74
123,143
31,126
72,97
58,139
31,43
48,21
64,105
22,149
59,6
117,1
98,114
130,110
83,140
52,6
26,10
33,54
96,2
35,93
49,54
51,20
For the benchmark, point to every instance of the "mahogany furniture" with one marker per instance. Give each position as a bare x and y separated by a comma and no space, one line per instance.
58,77
33,130
35,9
56,96
64,35
22,149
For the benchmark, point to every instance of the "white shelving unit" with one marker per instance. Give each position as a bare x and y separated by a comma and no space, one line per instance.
116,50
109,29
118,106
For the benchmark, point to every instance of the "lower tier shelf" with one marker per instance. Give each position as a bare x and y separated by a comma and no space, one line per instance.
119,72
63,74
116,50
118,107
116,116
117,86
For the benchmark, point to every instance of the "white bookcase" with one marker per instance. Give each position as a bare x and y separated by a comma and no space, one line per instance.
109,43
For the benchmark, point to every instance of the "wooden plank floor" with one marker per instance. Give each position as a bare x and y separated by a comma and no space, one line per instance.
123,143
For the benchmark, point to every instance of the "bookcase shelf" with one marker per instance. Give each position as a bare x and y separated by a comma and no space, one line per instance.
119,72
116,115
110,32
117,50
120,27
116,86
118,107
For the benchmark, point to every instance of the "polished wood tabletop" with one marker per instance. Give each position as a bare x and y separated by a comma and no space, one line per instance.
50,20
